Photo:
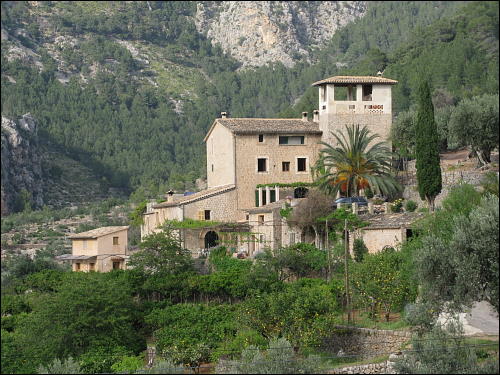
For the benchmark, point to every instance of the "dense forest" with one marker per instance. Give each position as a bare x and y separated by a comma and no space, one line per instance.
131,133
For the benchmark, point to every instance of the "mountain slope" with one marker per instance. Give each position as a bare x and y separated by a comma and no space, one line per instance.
130,88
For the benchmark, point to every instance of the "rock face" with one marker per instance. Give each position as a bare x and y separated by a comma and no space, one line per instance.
260,32
21,163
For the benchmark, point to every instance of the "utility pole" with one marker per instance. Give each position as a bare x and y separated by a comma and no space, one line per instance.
346,272
329,252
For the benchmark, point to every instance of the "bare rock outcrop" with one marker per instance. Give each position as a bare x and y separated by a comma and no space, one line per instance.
21,163
261,32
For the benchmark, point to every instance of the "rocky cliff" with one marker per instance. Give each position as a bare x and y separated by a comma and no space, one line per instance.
21,164
261,32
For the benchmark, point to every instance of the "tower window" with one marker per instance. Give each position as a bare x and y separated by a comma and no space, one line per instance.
207,214
115,240
367,92
285,166
261,219
261,138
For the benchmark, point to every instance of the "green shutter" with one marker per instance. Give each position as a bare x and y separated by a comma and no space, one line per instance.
273,196
256,198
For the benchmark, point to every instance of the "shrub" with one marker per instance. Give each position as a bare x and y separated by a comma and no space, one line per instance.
68,366
164,366
359,249
443,351
410,206
128,364
279,358
397,205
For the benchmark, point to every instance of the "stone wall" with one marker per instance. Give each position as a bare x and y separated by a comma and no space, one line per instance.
369,342
372,368
449,179
249,150
372,343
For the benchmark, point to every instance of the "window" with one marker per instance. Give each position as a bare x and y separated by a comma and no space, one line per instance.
264,197
261,138
115,240
322,93
301,165
248,217
261,238
212,167
116,265
367,92
261,219
207,214
291,140
285,166
77,266
91,266
292,238
261,165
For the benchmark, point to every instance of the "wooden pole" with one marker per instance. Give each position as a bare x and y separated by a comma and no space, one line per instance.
329,253
346,272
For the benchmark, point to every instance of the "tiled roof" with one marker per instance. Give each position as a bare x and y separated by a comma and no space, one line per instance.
394,220
98,232
196,196
356,79
267,126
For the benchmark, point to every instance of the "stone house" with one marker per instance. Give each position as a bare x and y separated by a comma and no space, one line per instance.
385,230
102,249
253,164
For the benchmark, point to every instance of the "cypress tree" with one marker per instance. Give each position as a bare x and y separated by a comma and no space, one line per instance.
427,148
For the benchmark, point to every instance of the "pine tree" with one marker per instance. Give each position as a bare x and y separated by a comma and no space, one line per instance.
427,148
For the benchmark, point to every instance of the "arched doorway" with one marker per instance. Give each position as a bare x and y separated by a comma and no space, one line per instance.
211,239
300,192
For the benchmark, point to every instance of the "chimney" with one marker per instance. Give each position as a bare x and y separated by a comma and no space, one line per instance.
223,114
316,115
170,196
304,116
379,73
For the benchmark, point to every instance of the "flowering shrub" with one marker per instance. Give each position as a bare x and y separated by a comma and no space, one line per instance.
397,205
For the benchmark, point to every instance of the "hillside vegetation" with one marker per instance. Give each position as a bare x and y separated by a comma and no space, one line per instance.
130,91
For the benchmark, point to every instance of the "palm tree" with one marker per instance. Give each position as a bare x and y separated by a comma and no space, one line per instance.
355,164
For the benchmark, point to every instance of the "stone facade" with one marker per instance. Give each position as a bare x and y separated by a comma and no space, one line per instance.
368,102
377,238
249,150
219,204
221,169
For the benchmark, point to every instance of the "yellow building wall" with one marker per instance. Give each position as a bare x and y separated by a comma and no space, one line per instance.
84,247
105,243
223,207
220,157
376,239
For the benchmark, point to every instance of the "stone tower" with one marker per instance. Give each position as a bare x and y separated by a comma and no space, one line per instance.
347,100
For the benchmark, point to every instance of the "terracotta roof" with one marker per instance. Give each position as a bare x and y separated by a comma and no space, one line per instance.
196,196
75,257
356,79
394,220
267,126
98,232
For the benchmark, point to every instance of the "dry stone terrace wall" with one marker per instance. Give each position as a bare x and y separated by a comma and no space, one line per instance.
369,342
